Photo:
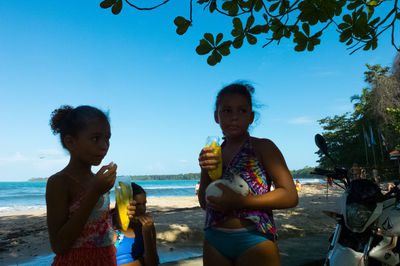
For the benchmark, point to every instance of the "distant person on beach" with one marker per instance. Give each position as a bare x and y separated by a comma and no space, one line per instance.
240,230
355,172
375,176
298,185
197,188
77,199
137,245
363,174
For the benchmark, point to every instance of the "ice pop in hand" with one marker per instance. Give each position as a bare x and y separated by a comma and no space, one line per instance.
213,142
123,195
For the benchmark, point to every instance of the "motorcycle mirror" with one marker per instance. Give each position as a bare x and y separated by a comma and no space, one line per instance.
321,143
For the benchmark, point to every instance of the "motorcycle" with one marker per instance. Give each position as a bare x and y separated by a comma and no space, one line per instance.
368,226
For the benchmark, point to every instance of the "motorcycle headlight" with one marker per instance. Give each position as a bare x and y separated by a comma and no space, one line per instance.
357,216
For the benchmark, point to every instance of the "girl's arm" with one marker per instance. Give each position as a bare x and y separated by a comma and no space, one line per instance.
150,256
64,230
204,182
208,160
285,193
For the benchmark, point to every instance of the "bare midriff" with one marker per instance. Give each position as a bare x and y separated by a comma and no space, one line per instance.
234,223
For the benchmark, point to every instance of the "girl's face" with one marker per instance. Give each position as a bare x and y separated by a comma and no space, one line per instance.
92,143
234,115
140,204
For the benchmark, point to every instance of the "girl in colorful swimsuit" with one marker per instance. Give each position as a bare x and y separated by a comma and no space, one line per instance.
240,230
137,245
77,199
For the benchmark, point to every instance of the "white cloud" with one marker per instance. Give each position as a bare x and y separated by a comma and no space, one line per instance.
183,161
301,120
16,157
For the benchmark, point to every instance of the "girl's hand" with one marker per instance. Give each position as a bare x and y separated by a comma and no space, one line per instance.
131,209
229,200
208,160
146,221
104,179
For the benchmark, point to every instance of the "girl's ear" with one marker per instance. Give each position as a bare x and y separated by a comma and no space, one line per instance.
68,142
216,117
252,118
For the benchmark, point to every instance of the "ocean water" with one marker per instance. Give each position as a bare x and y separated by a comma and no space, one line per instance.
30,196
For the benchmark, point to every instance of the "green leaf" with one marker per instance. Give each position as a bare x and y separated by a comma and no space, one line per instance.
107,3
231,6
219,38
367,46
117,7
349,42
347,19
223,48
306,28
237,27
238,42
214,58
374,44
258,29
274,6
345,35
300,47
258,5
209,37
310,46
250,22
204,47
376,20
182,25
213,6
343,26
251,39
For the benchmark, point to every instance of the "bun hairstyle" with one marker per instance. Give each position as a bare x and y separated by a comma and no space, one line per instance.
67,120
241,88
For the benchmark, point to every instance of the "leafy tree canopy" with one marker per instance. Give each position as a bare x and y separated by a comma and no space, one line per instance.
367,135
303,21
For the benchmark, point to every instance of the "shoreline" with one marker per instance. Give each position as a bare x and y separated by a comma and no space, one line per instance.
179,224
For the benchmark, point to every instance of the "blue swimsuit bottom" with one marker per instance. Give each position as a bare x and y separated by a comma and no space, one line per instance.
232,243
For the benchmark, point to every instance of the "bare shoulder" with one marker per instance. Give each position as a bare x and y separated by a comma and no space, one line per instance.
263,146
57,183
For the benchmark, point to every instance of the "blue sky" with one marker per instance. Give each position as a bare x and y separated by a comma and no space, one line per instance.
158,91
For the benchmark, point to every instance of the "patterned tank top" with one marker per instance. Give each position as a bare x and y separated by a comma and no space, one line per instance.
97,231
246,163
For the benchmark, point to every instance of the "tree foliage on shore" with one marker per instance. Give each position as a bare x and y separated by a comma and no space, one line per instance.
303,173
367,135
359,23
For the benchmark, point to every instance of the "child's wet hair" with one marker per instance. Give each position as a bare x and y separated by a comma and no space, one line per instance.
67,120
136,189
240,88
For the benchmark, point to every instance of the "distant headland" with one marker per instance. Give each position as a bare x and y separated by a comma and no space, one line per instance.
301,173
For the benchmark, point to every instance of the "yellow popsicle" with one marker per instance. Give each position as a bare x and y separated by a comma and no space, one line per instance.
123,195
216,173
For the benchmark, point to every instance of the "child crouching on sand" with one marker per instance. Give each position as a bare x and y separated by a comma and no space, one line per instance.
137,245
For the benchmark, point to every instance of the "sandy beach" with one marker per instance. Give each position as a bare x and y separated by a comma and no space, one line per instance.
303,231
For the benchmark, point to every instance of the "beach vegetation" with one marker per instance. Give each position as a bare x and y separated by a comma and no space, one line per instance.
358,23
367,135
